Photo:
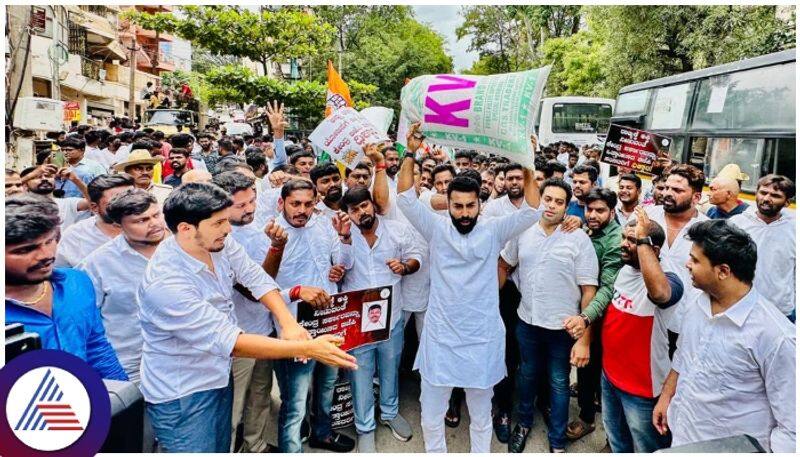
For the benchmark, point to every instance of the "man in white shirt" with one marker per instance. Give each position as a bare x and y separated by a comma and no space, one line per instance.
463,341
328,181
734,371
628,191
189,328
417,286
93,151
307,257
384,252
558,278
41,180
683,188
252,379
773,230
117,267
82,238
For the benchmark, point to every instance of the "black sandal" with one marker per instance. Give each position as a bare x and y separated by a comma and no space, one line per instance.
453,416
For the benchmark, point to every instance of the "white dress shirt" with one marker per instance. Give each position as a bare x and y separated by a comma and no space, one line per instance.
116,270
395,240
309,253
326,214
106,158
252,316
736,375
188,324
551,270
416,287
777,259
498,207
78,241
623,219
68,211
463,339
266,205
674,258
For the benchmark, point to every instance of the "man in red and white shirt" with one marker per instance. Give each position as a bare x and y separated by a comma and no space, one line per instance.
634,334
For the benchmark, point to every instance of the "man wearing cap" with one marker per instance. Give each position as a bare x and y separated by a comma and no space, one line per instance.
139,164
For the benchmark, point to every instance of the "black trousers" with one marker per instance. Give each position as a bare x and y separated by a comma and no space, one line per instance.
504,390
589,377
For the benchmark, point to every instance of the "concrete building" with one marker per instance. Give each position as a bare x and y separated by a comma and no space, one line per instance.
80,54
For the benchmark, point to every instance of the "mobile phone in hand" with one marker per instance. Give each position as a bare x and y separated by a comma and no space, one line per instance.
58,159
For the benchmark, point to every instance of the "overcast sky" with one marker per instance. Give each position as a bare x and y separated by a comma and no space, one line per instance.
445,19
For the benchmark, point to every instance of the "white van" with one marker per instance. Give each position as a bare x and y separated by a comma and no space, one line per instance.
578,120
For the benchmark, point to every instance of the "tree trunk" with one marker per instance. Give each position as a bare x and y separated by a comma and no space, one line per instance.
264,67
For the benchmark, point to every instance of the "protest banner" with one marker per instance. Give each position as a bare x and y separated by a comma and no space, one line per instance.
342,414
361,317
344,134
380,117
493,114
634,149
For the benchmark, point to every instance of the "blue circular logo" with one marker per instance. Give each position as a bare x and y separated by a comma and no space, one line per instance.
54,404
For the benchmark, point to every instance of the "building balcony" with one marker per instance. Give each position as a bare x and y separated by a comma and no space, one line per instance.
142,34
156,62
154,8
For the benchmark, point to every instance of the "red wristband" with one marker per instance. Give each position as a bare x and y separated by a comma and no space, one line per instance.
380,166
294,293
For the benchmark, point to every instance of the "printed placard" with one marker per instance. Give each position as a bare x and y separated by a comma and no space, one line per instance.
344,134
634,149
361,317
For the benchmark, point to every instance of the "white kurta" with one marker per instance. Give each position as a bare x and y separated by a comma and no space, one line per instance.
463,341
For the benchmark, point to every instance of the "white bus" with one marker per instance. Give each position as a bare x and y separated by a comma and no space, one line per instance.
578,120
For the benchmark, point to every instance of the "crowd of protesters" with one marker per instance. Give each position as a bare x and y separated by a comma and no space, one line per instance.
177,263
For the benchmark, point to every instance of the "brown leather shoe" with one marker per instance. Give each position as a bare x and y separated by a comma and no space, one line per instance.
578,429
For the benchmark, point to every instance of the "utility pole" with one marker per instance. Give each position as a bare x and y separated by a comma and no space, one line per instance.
132,77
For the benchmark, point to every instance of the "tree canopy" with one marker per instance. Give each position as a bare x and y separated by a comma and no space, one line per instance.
595,50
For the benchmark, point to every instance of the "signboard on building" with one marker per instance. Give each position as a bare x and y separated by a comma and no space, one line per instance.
72,111
38,19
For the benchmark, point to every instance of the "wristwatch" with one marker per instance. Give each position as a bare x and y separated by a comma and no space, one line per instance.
646,240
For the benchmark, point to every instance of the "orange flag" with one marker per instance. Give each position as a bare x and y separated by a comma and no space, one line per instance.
338,92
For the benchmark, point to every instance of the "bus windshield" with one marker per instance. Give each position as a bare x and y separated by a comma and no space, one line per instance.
170,117
581,117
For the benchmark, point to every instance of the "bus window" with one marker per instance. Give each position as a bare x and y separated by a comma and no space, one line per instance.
785,159
718,152
632,103
752,100
676,148
581,118
669,107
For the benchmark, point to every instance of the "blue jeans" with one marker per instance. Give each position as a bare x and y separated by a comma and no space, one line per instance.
544,352
385,356
294,380
628,420
200,422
